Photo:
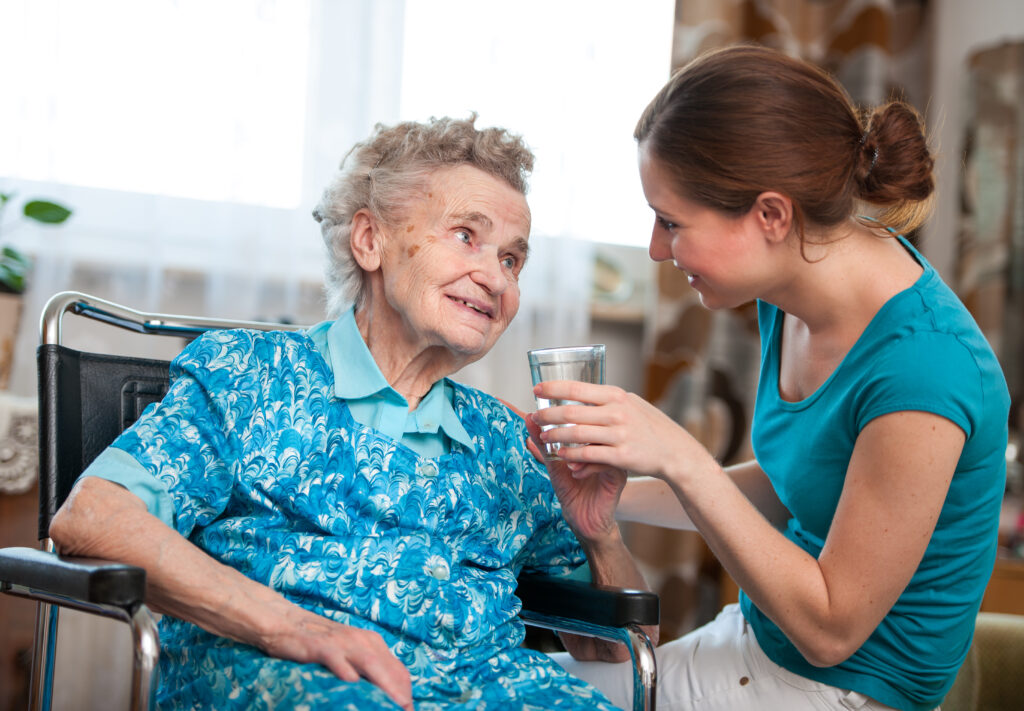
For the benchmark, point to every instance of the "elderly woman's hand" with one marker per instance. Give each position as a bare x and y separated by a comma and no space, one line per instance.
349,652
588,496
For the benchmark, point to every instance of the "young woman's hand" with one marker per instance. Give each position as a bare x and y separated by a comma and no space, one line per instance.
619,429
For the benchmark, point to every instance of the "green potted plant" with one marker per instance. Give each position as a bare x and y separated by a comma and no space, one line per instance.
14,267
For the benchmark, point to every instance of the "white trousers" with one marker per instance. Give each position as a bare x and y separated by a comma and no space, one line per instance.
719,667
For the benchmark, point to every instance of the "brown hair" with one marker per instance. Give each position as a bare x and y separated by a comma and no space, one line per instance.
389,169
738,121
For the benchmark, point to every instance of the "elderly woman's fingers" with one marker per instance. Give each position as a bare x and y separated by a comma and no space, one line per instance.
349,652
381,670
365,653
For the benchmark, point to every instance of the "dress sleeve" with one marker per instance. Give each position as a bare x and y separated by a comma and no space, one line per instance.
193,440
116,466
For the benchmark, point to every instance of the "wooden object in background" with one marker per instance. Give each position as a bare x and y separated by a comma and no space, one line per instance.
18,516
1005,591
10,317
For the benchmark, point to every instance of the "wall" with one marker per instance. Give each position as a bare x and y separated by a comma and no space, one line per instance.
961,28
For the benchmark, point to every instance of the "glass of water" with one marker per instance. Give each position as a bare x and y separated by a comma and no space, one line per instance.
583,363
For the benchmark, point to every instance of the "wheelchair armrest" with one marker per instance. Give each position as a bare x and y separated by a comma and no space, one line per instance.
88,580
602,605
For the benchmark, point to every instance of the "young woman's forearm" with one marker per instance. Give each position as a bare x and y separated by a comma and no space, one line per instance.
829,604
653,501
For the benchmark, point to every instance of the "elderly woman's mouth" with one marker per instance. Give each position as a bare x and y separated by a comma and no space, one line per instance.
474,305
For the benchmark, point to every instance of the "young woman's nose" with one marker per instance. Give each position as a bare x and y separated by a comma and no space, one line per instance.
660,247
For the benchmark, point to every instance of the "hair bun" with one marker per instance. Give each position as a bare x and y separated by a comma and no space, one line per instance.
894,165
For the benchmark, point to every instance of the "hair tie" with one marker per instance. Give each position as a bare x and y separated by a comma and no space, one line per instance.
874,155
874,159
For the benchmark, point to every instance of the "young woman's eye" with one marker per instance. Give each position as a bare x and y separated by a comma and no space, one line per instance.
464,236
665,224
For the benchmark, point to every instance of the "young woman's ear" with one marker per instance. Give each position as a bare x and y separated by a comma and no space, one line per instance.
366,240
774,215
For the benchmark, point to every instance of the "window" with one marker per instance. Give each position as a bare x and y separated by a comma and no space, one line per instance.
185,98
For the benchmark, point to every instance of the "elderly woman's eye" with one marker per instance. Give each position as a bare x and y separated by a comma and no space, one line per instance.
464,236
509,262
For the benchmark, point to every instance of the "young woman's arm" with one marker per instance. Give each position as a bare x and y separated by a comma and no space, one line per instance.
896,483
647,499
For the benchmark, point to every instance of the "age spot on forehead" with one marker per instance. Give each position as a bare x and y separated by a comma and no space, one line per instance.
410,228
411,252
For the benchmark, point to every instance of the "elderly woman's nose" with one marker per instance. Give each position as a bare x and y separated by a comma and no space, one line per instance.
489,272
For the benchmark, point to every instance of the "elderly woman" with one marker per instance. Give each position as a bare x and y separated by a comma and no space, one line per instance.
325,519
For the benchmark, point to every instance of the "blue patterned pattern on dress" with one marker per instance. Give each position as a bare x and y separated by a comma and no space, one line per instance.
269,474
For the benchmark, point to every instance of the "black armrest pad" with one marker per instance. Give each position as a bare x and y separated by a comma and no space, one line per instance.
85,579
579,600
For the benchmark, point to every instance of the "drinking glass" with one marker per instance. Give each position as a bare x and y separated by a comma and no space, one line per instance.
582,363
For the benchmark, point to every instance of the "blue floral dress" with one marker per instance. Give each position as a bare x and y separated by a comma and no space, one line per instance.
269,473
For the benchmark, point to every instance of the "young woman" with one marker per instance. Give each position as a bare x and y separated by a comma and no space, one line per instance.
863,533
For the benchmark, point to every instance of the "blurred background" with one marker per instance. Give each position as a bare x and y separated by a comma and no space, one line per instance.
191,139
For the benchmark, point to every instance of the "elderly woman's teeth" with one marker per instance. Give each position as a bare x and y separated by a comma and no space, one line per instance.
472,306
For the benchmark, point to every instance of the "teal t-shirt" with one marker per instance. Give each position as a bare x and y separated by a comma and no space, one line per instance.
922,351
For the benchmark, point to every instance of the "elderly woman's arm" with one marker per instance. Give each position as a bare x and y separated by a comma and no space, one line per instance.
103,520
588,503
610,564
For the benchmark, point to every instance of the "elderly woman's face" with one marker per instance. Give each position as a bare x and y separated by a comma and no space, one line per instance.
451,269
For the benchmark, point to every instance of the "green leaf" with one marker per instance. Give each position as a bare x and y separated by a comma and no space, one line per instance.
44,211
12,275
10,255
5,198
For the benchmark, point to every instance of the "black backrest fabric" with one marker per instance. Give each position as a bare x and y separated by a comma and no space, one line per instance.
85,401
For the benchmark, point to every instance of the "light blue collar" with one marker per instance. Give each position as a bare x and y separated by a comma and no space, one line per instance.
358,380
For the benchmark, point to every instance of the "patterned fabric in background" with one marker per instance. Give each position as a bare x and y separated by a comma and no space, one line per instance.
703,366
269,474
990,243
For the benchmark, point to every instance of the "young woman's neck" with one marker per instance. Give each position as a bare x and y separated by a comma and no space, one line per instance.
843,278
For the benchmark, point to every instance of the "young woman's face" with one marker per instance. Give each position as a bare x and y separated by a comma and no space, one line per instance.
713,249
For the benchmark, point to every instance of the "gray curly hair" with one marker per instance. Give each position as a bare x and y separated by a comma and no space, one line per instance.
385,172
